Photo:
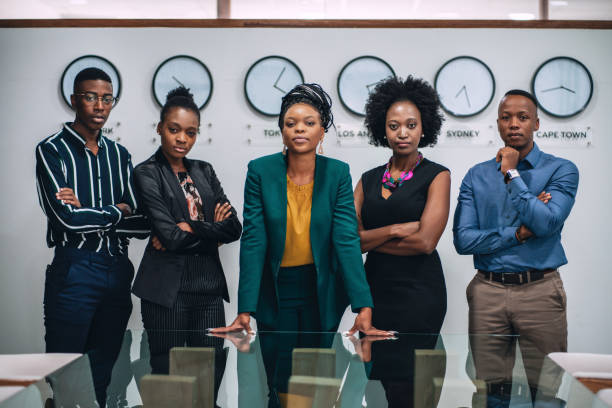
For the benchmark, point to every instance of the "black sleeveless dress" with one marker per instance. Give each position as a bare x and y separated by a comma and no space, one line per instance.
409,292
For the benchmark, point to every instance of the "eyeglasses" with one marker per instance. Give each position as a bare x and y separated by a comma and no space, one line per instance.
92,97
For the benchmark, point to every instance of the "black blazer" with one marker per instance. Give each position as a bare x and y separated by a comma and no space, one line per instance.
161,199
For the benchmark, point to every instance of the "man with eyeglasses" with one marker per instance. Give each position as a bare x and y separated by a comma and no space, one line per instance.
85,189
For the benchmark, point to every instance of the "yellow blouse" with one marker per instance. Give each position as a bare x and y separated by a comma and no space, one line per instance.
297,242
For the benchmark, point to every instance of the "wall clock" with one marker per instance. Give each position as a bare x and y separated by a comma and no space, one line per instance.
88,61
358,78
183,70
466,86
268,80
563,86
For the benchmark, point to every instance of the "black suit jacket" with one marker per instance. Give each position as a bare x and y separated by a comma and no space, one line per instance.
161,199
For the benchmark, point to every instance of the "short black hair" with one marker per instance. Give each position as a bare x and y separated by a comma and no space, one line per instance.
394,89
313,95
90,74
179,97
526,94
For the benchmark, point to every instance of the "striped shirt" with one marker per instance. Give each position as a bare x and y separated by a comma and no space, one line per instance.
99,182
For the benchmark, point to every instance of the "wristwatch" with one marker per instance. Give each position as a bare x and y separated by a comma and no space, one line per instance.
511,174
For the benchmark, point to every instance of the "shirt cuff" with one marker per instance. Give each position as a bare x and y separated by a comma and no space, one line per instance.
508,237
116,214
515,187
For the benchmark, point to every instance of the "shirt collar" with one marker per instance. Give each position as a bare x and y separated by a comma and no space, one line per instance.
76,137
532,158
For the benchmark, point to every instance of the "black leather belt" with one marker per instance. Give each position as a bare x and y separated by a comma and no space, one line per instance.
518,278
504,389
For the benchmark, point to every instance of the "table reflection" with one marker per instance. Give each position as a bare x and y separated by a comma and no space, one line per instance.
288,369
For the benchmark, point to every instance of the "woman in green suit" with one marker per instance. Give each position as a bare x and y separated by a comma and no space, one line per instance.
300,256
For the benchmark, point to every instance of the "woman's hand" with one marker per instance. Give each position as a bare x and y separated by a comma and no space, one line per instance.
363,346
403,230
157,243
363,323
222,211
241,322
185,227
240,340
67,196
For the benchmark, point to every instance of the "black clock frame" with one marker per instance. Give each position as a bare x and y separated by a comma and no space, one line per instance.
345,67
536,96
67,98
160,103
458,115
246,78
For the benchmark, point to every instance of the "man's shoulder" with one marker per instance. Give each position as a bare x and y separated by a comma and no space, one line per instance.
550,159
488,166
51,140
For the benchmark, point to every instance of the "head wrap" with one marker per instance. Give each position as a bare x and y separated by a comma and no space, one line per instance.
313,95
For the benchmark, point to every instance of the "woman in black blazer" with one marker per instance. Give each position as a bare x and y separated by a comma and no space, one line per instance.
180,279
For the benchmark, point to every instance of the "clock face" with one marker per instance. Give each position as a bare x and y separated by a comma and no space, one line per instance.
268,80
183,70
88,61
562,86
358,78
466,86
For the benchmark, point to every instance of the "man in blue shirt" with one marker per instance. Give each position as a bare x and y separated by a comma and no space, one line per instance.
509,216
85,189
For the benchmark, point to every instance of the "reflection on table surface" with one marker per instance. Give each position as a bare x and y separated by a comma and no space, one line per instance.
278,369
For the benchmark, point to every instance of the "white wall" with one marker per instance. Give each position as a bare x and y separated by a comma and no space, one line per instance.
31,108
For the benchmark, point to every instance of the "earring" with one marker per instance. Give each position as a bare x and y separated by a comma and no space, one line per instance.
423,135
284,150
321,147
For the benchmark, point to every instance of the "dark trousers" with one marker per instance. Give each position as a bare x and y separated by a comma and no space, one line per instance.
87,306
298,324
184,325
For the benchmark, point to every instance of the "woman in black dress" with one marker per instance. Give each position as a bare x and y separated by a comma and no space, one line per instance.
402,208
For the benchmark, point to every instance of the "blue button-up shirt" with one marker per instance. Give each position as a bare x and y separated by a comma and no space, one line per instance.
489,212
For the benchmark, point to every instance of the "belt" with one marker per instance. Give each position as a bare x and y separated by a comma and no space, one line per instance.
517,278
504,389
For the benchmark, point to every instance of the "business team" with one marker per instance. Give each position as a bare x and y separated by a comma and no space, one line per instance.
304,232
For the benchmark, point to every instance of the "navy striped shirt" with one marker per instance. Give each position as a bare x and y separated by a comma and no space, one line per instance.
99,182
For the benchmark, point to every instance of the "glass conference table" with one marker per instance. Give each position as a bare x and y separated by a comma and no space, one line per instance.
195,369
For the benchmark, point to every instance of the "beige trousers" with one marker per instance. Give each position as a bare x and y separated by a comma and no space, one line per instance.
534,311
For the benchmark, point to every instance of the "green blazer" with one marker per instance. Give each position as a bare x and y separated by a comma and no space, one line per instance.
333,237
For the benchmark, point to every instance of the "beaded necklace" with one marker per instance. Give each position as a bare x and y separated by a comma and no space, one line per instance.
390,183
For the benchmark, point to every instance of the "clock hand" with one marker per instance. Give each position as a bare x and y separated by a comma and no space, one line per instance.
179,82
460,90
464,90
567,89
278,79
552,89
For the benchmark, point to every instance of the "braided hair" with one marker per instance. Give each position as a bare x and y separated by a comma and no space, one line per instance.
179,97
313,95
